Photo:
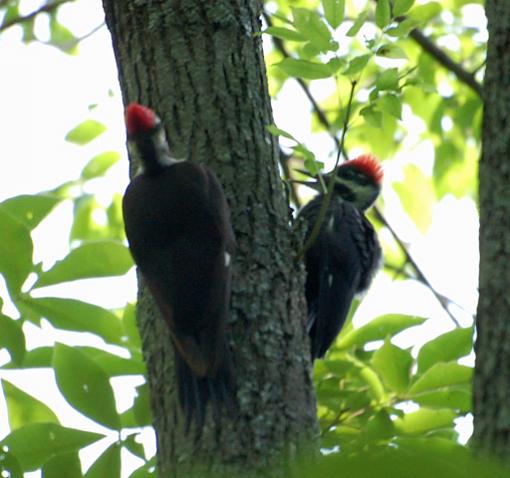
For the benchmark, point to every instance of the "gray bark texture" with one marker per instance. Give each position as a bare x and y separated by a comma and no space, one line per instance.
200,66
492,370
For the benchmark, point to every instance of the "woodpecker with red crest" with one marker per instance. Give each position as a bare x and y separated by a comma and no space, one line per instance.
346,254
178,229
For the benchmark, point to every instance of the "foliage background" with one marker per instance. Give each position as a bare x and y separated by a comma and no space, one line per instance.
399,377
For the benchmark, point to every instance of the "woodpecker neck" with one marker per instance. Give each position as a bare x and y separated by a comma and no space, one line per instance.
362,196
151,151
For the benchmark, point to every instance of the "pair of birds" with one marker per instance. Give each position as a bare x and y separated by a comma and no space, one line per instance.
178,229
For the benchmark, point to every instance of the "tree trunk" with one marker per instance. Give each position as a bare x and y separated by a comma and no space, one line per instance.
492,370
200,65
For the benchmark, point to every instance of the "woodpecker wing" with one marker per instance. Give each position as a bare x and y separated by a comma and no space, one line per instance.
180,245
335,266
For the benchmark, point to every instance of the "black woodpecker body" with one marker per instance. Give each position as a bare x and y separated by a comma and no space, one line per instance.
346,253
178,229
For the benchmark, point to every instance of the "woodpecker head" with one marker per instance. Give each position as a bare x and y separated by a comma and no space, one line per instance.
359,181
146,139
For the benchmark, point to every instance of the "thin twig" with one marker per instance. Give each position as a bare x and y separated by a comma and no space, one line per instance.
294,196
441,298
331,182
49,7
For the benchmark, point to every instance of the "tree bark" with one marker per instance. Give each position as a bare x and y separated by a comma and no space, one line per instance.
492,369
200,65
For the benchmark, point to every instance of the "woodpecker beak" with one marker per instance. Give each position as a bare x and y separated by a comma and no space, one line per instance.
315,185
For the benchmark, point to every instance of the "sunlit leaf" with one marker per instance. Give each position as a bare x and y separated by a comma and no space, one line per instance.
85,385
275,131
393,365
12,338
334,11
63,465
30,209
285,34
358,23
35,444
62,37
23,409
99,164
390,50
391,104
72,314
85,132
442,375
445,348
94,259
382,13
357,64
305,69
426,12
378,329
107,465
423,420
15,251
401,6
417,196
388,79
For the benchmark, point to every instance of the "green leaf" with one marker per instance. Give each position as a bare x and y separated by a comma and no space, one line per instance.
141,407
379,426
311,26
372,116
148,470
424,13
16,251
403,28
85,385
401,6
30,209
133,446
378,329
99,164
61,37
63,465
35,444
375,386
358,23
12,338
130,326
424,420
388,80
275,131
72,314
417,196
334,11
10,465
285,34
85,132
442,375
382,13
357,64
94,259
393,365
456,397
445,348
114,365
84,225
305,69
391,104
107,465
391,50
23,409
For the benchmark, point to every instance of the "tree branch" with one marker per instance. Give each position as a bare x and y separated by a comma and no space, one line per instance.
442,58
49,7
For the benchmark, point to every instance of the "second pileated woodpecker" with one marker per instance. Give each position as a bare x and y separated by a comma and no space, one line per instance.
179,233
346,253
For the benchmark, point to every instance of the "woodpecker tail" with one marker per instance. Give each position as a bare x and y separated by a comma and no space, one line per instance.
195,392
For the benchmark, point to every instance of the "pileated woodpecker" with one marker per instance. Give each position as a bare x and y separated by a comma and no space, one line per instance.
346,253
178,229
